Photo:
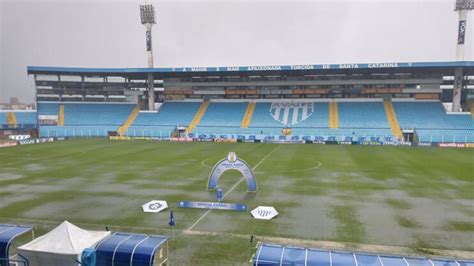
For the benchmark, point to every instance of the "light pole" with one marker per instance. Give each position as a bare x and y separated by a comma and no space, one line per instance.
147,16
462,7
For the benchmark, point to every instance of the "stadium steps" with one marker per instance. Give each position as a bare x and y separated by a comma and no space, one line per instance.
11,119
472,110
131,118
248,115
333,115
197,118
61,115
392,119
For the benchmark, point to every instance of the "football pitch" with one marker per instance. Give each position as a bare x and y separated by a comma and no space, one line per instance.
418,198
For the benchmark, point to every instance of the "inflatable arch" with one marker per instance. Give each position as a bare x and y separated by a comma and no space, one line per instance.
232,163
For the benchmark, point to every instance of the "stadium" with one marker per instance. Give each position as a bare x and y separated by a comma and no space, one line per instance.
363,164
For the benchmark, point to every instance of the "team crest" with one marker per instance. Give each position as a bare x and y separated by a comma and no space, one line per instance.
232,157
290,114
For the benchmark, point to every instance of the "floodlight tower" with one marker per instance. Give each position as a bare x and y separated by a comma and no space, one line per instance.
462,7
147,16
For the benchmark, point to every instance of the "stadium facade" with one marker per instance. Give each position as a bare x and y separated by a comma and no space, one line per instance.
371,102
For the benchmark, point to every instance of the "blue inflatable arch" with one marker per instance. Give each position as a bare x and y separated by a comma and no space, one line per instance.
232,163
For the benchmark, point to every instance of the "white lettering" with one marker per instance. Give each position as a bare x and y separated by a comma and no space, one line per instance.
383,65
233,69
264,68
349,66
302,67
199,69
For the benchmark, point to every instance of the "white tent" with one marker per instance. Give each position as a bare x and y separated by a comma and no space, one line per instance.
62,246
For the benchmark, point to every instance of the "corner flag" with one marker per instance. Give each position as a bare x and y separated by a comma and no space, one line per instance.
171,223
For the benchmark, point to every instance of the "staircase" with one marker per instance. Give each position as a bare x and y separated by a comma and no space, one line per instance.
133,115
392,119
61,115
333,115
472,110
11,119
248,115
198,116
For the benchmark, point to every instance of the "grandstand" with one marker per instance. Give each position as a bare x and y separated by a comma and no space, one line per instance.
346,102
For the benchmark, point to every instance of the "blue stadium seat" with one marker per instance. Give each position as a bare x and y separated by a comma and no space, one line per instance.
224,114
48,108
362,115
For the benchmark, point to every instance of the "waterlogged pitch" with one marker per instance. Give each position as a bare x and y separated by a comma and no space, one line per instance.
398,196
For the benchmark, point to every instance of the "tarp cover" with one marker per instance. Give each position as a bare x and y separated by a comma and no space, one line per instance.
269,254
128,249
61,246
8,232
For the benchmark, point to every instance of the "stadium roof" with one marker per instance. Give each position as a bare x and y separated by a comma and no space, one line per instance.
8,233
268,254
443,67
128,249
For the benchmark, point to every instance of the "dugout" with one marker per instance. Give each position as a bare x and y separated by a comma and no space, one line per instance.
270,254
132,249
8,234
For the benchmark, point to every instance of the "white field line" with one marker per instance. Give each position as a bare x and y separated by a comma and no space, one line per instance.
231,189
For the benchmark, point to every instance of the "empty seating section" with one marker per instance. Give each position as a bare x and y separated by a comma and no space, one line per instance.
26,118
76,131
355,119
224,114
262,117
3,119
171,114
422,115
432,124
48,108
96,114
362,115
18,119
163,123
445,135
85,119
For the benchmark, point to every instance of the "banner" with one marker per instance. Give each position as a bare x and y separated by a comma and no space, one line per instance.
452,145
212,205
461,31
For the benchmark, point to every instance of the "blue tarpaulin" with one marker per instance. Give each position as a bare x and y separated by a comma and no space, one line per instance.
270,254
8,233
128,249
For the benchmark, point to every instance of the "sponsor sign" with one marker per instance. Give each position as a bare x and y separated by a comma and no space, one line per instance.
155,206
33,141
181,139
461,31
148,40
212,205
27,141
264,213
8,144
452,145
119,138
424,144
19,137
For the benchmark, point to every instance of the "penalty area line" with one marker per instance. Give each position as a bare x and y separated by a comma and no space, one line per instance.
231,189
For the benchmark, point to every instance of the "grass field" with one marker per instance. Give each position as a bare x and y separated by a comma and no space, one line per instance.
399,196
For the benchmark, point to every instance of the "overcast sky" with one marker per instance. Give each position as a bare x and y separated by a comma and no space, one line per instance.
86,33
